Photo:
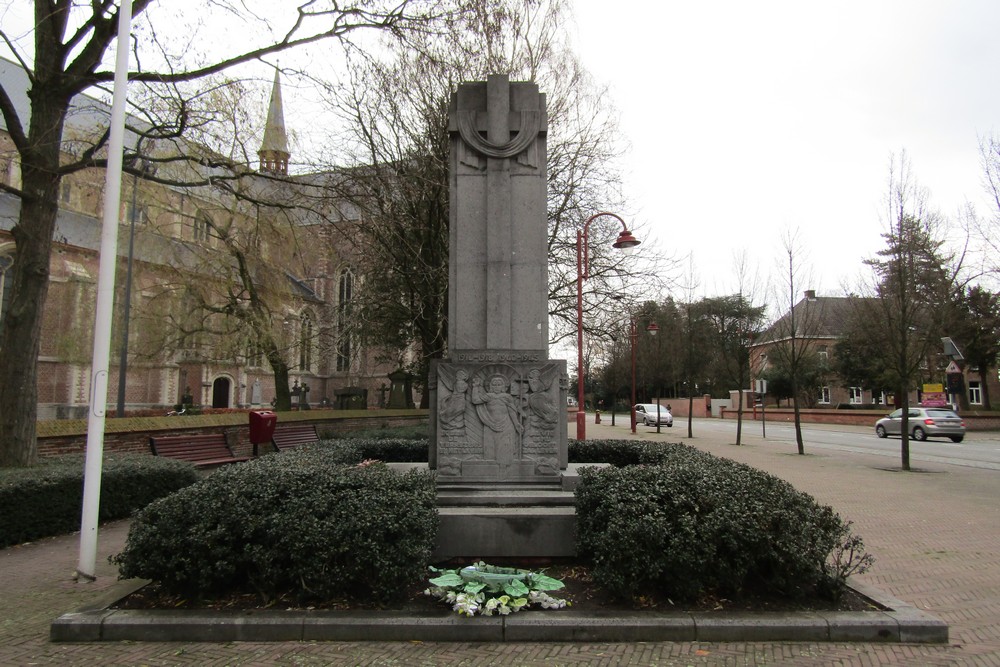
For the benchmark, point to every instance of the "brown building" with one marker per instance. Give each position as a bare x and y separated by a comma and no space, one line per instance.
819,322
202,259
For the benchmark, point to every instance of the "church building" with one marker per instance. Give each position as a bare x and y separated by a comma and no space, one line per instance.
225,287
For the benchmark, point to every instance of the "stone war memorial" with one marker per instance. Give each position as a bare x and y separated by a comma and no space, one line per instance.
498,415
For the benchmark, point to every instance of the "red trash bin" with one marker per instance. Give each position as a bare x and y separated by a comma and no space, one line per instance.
262,424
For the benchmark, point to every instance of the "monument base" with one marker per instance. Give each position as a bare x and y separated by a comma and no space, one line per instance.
485,533
483,521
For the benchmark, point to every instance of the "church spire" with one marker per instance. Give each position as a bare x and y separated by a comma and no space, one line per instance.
273,151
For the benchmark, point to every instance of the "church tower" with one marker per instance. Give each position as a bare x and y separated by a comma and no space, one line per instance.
273,151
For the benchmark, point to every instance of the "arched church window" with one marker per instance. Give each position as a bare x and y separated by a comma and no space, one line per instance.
305,342
345,293
202,226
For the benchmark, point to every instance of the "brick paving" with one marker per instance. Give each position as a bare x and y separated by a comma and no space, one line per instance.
936,534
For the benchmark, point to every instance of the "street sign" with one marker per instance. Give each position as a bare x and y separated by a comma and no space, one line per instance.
953,368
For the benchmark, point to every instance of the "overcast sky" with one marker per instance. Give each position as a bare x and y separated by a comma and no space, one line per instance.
747,119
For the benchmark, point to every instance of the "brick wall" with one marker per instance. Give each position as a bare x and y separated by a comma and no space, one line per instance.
131,435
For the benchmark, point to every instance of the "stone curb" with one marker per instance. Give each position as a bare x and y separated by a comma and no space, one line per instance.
900,622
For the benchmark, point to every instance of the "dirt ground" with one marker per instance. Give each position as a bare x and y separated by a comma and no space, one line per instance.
580,590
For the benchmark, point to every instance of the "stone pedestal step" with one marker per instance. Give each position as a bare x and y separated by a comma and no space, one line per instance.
448,497
506,532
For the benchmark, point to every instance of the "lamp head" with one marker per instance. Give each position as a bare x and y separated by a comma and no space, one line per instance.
626,242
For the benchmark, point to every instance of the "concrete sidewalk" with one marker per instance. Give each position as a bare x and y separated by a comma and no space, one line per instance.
935,532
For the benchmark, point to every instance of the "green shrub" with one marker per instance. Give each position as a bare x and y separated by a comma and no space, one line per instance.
47,499
295,523
693,524
615,452
355,450
412,432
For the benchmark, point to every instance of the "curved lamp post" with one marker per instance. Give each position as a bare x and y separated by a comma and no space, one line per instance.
625,242
652,328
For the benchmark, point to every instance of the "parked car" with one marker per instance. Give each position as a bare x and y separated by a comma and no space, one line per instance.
924,423
647,413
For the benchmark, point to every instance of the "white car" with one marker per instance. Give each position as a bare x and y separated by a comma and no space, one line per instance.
647,412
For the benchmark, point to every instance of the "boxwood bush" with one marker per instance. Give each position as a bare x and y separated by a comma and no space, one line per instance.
398,450
411,432
298,523
46,499
691,524
615,452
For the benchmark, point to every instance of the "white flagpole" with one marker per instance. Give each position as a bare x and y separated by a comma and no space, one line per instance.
105,301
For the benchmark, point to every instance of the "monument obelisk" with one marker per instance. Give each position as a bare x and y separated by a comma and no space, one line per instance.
498,402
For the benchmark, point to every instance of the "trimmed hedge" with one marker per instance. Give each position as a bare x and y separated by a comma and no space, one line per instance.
297,523
690,524
615,452
47,499
355,450
415,432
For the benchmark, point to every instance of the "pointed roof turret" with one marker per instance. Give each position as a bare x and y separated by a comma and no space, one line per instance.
273,151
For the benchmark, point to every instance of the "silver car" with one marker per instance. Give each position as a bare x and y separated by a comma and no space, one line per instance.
924,423
646,412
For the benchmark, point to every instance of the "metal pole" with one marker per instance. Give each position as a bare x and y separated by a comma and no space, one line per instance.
581,416
631,336
123,360
763,416
105,300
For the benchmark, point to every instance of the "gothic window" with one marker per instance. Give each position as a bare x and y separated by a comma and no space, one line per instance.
255,354
138,213
857,395
202,227
305,342
345,293
5,263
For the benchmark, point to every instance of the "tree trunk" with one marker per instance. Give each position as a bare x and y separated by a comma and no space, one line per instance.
739,414
20,336
798,426
282,394
798,415
690,413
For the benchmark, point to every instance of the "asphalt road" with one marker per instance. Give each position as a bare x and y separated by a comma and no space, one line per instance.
980,449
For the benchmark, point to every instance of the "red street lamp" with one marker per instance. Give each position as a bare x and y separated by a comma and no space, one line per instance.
652,328
626,242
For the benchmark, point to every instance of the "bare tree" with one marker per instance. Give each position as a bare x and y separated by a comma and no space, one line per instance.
394,109
911,284
989,228
68,55
735,321
788,337
694,335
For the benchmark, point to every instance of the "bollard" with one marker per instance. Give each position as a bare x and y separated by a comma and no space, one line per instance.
597,417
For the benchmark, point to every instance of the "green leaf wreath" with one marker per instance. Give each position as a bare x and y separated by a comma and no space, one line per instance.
489,589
